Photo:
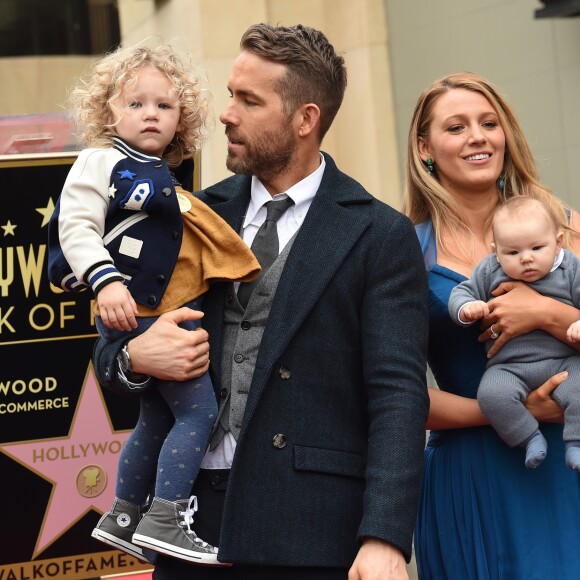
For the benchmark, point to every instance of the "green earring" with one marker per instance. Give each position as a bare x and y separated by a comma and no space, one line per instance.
430,166
500,183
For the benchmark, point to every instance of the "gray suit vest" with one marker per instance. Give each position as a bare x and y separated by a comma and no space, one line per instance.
241,340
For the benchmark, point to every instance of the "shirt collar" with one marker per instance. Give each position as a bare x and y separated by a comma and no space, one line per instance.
558,260
302,193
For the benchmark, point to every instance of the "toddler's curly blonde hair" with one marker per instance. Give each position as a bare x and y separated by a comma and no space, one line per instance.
93,98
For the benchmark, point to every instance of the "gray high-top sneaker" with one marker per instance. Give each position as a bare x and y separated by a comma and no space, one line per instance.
166,528
116,528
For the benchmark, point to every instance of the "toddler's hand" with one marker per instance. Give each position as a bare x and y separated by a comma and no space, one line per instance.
117,307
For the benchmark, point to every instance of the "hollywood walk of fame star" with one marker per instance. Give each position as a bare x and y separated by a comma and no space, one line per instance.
75,464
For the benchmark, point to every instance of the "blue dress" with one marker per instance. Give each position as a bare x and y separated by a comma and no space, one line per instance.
482,514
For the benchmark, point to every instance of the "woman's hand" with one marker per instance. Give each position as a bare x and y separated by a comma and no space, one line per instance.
515,310
541,404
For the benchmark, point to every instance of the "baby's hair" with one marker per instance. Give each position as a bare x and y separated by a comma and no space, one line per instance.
93,98
518,205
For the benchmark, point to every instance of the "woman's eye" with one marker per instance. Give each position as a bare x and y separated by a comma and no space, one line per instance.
490,125
455,128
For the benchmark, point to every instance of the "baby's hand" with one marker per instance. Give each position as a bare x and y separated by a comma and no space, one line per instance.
473,311
117,307
573,334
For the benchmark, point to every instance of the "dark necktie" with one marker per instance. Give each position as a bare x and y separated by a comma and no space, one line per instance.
265,245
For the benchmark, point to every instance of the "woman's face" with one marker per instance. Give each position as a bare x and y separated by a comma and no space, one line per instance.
465,141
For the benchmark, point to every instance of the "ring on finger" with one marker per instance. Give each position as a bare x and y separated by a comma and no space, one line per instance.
494,334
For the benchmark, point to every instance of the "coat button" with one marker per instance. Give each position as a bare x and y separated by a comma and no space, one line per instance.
152,300
239,358
160,278
224,393
284,373
279,441
166,191
246,325
229,299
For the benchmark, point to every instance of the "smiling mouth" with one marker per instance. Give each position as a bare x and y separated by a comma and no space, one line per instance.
478,157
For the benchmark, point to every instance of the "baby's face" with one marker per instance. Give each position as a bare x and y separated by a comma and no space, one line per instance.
527,245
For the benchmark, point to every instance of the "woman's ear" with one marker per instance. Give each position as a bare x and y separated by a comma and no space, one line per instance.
423,148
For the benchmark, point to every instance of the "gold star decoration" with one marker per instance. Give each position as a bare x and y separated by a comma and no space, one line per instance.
8,228
46,212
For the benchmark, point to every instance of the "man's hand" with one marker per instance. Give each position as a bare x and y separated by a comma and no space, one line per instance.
117,307
168,352
378,560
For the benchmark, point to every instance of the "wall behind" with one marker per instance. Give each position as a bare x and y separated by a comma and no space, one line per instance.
534,62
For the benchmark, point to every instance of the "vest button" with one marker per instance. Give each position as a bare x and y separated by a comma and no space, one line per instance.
175,235
152,300
160,278
279,441
284,373
246,325
239,358
166,191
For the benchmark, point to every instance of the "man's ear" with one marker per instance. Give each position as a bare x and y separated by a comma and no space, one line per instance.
307,119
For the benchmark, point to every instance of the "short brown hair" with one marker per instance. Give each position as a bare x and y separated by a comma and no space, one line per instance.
314,72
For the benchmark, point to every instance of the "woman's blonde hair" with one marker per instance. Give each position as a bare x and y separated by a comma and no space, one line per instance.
93,98
425,197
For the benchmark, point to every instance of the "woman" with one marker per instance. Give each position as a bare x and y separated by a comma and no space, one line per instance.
482,514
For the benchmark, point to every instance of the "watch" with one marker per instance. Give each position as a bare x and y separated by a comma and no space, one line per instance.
124,359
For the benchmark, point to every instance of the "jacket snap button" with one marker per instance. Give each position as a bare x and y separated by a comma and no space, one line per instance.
239,358
279,441
166,191
152,300
175,235
284,373
246,325
161,278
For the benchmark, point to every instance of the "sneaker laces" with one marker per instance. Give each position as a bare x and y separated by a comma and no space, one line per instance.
188,520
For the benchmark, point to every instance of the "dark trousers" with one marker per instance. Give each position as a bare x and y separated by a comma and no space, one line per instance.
210,489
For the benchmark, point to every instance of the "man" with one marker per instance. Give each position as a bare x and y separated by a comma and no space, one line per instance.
314,464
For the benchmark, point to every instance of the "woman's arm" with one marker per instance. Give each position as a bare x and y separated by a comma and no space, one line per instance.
449,411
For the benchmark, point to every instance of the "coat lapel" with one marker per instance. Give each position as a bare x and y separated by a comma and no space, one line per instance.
325,238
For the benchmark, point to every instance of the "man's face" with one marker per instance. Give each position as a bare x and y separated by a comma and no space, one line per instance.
261,138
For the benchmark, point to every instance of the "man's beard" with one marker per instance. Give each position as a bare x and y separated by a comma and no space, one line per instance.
268,156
